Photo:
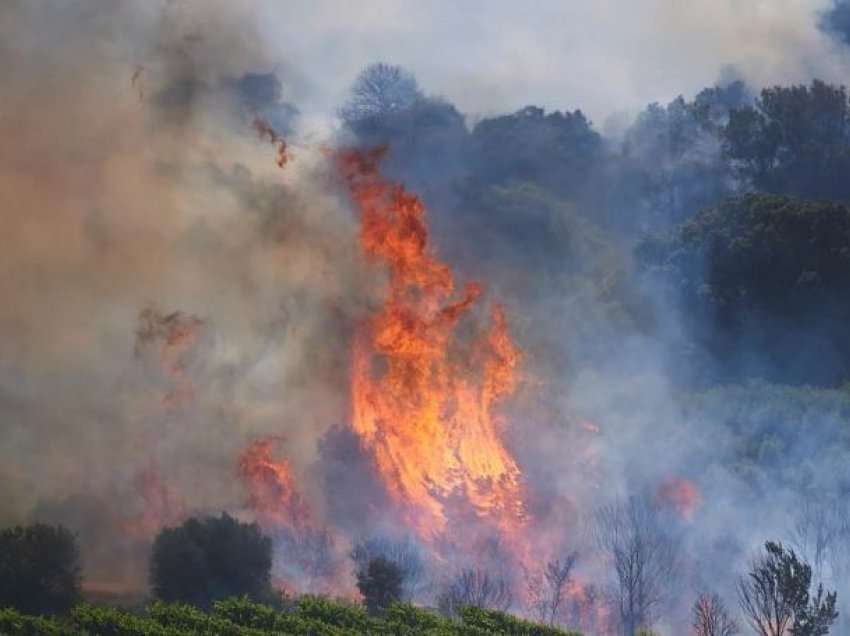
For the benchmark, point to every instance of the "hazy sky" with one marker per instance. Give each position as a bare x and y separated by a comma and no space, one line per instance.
603,56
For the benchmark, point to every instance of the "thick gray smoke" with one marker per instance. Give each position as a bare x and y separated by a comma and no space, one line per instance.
134,186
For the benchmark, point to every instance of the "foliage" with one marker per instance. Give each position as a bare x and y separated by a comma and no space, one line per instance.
13,623
496,622
404,553
756,268
241,617
209,559
555,150
671,160
380,582
775,596
39,569
794,139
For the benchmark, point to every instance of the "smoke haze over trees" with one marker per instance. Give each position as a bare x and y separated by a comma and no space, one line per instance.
640,294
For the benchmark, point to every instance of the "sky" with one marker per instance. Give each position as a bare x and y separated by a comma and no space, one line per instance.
605,57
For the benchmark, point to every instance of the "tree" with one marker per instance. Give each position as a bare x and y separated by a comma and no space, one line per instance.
775,598
208,559
380,583
821,532
556,150
672,162
548,589
793,140
755,269
644,556
475,588
710,617
404,553
39,569
379,90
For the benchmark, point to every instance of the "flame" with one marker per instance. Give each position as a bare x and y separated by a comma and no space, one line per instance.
587,609
683,495
271,488
423,398
160,506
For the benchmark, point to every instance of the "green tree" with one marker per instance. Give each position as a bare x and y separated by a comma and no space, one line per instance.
755,269
39,569
775,596
381,584
208,559
555,150
793,140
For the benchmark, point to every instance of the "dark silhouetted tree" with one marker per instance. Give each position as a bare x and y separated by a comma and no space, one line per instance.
557,150
775,596
794,140
380,583
710,617
404,553
39,569
755,269
208,559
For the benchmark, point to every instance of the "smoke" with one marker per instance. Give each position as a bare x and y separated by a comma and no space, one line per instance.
169,293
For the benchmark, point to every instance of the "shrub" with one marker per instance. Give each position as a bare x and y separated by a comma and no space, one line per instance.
39,569
205,560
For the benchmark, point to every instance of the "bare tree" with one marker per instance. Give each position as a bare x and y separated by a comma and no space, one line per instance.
380,89
475,588
548,588
822,535
774,596
644,554
404,553
711,618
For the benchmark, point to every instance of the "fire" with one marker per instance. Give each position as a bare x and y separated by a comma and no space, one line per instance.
160,506
424,399
272,494
587,609
683,495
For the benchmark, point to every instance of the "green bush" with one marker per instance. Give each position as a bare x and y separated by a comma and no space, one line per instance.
13,623
310,616
495,622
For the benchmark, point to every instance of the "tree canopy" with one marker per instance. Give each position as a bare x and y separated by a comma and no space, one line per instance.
208,559
39,569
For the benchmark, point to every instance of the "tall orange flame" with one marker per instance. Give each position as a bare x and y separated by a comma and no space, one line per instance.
272,493
423,397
